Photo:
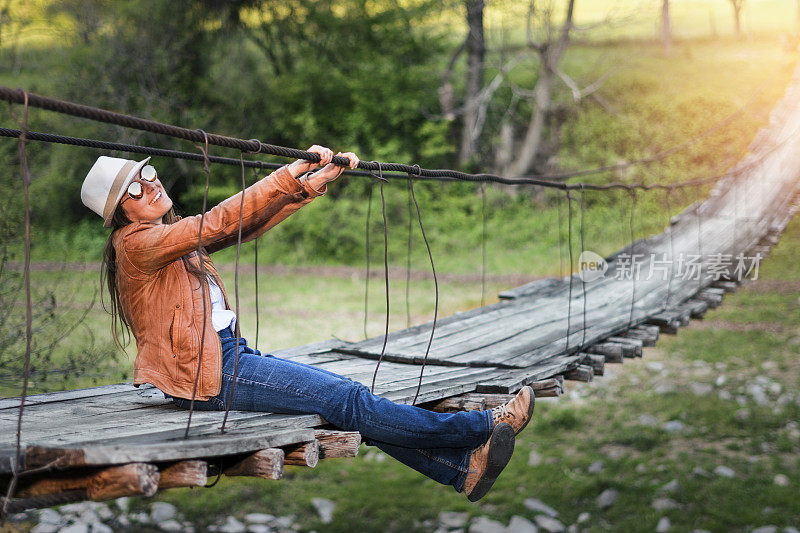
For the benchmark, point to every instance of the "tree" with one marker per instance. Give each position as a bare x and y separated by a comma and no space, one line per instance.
550,49
737,6
666,30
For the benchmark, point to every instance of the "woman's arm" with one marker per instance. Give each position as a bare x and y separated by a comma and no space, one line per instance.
150,247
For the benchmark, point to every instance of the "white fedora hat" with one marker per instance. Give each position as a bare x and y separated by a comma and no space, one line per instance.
106,182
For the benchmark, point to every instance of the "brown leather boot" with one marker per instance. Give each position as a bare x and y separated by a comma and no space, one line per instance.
486,462
516,412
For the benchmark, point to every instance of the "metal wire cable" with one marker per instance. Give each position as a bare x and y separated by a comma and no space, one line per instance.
204,281
236,295
385,278
26,181
435,284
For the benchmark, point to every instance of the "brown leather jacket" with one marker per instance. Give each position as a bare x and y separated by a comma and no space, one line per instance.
164,303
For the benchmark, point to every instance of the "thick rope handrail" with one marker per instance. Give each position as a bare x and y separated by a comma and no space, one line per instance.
478,178
256,146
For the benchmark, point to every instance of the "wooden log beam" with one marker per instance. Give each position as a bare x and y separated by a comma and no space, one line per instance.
668,322
583,373
549,388
648,336
134,479
614,352
636,343
266,464
192,473
713,300
305,454
696,308
334,444
727,286
596,362
462,402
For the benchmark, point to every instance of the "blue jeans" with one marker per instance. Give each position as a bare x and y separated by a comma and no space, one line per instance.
437,445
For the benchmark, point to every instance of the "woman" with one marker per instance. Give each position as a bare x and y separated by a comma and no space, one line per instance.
186,333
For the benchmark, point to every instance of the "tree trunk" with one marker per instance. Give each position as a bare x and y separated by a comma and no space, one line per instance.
666,30
551,53
535,132
737,15
476,51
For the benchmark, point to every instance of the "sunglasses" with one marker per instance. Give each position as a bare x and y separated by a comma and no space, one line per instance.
148,174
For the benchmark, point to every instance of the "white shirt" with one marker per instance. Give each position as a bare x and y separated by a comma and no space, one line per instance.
221,316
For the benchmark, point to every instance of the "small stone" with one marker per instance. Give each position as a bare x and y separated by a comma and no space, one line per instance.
724,471
648,420
285,522
757,393
790,529
596,467
697,471
700,531
742,414
141,517
258,528
655,366
170,525
548,523
724,395
44,527
663,525
88,516
49,516
721,380
664,504
99,527
672,487
538,506
482,524
775,388
673,426
74,508
123,503
123,520
103,511
77,527
572,528
583,518
324,509
452,519
607,498
232,525
701,389
664,388
766,529
259,518
781,480
162,511
641,468
534,459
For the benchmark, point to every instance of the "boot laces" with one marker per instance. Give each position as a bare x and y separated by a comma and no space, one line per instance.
501,412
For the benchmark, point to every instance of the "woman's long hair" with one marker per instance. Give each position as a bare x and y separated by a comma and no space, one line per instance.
120,324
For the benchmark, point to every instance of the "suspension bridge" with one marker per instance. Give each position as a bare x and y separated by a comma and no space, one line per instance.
117,440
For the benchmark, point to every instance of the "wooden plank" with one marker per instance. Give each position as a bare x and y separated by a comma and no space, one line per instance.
173,450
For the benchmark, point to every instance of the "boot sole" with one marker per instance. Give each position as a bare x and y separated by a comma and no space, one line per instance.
501,448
